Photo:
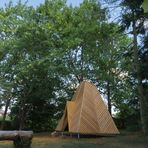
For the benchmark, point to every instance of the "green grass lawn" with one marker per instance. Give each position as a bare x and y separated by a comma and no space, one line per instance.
121,141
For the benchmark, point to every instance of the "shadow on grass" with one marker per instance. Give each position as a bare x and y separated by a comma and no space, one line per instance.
122,141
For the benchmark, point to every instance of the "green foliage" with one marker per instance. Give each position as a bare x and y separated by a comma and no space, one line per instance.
133,19
145,5
46,51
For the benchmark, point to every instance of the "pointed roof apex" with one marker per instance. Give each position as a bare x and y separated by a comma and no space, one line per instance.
87,82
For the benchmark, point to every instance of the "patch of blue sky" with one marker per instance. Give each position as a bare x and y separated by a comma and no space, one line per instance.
36,3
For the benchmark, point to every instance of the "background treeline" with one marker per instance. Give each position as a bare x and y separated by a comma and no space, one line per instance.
45,52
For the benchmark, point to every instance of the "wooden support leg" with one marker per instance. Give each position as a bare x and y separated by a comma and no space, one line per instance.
78,136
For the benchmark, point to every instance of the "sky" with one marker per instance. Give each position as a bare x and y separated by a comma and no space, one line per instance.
38,2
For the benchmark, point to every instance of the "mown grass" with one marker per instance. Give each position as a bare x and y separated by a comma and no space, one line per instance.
121,141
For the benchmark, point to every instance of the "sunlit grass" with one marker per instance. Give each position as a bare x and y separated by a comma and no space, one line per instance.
121,141
6,144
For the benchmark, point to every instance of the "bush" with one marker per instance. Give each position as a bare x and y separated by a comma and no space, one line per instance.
7,125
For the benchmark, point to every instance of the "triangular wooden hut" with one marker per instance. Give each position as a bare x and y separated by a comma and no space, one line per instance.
86,113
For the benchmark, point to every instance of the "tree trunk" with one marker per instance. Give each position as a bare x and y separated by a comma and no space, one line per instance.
21,117
108,98
22,114
82,64
139,78
5,113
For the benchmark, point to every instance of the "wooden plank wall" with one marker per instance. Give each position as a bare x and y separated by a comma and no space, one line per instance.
87,113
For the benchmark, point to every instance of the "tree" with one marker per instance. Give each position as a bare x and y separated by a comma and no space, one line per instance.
47,51
27,63
133,21
6,39
6,97
134,18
